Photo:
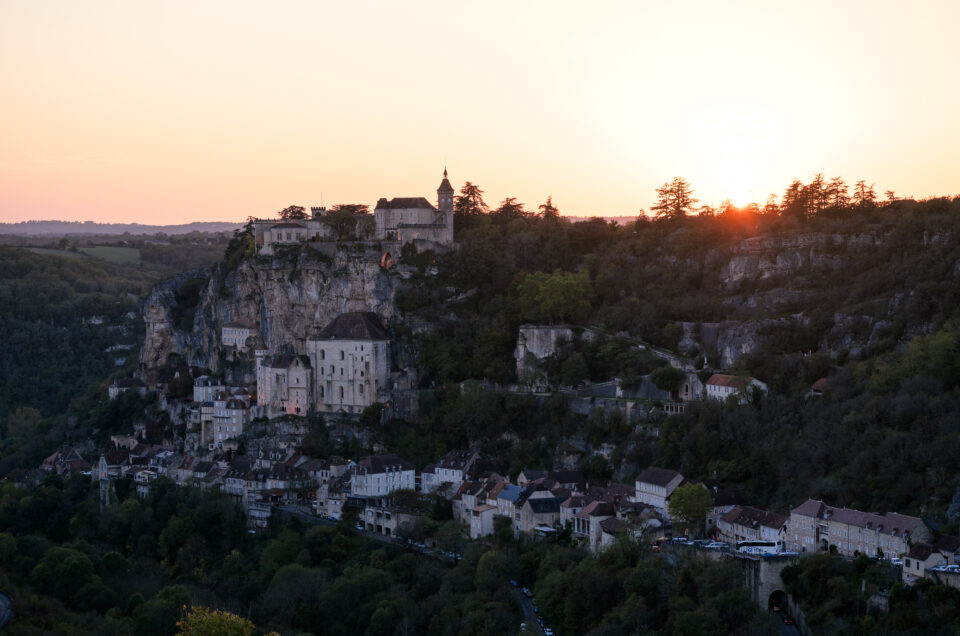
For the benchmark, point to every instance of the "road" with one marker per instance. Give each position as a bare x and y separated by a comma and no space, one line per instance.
527,612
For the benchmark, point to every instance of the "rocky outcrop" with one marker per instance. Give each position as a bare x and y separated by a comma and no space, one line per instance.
536,342
764,257
288,298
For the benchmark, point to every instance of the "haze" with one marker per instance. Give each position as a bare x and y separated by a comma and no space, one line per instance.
170,112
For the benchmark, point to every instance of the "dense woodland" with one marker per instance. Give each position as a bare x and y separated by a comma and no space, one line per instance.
885,435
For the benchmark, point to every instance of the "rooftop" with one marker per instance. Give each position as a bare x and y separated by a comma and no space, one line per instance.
355,325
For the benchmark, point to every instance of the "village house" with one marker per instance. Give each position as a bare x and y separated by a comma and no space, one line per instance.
586,523
654,487
571,506
721,386
539,511
922,557
815,526
506,503
350,359
379,475
745,523
206,388
450,471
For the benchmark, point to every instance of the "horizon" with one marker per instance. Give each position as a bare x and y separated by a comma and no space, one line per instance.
255,107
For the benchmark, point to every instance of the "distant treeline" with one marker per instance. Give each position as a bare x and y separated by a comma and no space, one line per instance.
70,228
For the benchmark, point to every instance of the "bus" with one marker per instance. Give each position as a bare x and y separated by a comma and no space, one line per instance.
760,547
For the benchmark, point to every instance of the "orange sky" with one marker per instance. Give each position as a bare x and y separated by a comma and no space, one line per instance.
173,111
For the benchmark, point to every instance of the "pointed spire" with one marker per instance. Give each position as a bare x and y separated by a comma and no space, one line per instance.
445,184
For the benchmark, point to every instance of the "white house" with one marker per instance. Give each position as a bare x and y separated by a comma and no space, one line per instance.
721,386
379,475
655,485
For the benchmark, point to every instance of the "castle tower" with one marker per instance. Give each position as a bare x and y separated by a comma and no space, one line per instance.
445,207
445,196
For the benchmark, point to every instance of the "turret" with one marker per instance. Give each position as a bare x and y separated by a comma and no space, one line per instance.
445,195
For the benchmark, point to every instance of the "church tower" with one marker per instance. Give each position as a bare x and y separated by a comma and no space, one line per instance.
445,196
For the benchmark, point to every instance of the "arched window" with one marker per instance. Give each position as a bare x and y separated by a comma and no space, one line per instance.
341,394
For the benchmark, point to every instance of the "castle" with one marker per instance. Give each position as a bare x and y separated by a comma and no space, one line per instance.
401,220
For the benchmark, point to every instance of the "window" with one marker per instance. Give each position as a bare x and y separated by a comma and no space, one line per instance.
323,354
321,392
361,389
342,355
341,394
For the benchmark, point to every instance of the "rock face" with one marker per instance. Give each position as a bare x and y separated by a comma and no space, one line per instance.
288,299
536,342
764,257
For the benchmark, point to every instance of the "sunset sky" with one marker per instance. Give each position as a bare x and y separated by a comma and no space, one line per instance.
169,112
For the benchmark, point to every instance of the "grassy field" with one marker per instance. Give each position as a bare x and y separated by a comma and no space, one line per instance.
121,255
49,251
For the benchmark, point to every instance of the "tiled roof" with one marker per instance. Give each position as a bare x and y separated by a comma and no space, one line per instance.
921,551
543,505
285,361
948,544
404,203
355,325
657,476
381,463
891,523
720,379
753,517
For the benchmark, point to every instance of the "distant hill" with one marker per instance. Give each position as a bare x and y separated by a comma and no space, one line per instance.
78,228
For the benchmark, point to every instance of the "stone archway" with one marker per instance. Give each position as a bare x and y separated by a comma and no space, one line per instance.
776,601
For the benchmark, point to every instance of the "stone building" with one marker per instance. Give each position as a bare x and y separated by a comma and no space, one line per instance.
283,383
815,526
235,334
409,219
350,359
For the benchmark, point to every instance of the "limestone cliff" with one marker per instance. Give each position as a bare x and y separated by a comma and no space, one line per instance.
288,298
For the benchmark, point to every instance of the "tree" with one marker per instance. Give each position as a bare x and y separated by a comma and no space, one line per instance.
794,201
666,378
891,196
864,195
293,213
470,201
509,210
817,195
674,199
201,621
837,192
341,220
548,210
690,504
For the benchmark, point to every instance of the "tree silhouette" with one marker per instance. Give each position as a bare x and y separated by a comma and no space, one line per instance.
293,213
674,199
548,210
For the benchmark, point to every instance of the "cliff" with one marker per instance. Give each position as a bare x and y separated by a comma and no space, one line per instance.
288,297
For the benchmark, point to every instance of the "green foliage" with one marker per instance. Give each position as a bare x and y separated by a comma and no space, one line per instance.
690,504
833,593
201,621
667,378
554,298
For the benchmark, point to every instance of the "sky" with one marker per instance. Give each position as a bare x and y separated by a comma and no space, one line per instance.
204,110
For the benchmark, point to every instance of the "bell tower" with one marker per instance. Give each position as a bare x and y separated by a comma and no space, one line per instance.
445,197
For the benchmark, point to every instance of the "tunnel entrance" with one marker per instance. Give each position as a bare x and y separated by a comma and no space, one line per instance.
777,601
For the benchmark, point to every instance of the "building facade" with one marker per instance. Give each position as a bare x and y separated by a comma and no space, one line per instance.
350,359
